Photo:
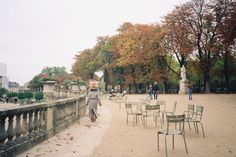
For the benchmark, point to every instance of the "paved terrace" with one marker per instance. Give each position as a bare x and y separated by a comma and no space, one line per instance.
110,136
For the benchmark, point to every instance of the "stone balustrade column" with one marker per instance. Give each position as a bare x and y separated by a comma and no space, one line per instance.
40,118
18,130
24,124
3,133
10,130
31,125
36,120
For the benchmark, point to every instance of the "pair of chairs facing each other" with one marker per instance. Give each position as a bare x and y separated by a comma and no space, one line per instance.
171,129
143,110
195,116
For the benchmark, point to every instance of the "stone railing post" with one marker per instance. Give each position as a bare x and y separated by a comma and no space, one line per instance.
10,130
24,124
31,125
3,133
36,120
49,120
18,130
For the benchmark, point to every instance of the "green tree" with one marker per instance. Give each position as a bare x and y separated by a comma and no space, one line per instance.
38,96
3,91
86,64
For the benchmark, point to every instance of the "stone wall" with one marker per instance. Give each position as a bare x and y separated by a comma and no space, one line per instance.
23,127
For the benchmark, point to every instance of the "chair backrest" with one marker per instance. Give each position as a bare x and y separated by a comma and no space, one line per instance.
129,107
199,112
152,110
175,119
152,107
191,107
162,104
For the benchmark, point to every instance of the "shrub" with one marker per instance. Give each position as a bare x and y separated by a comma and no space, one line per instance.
38,96
21,95
28,94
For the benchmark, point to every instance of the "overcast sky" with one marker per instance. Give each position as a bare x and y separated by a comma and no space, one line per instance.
39,33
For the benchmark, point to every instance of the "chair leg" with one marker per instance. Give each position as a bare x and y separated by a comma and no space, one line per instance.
133,119
166,146
161,122
158,141
196,124
127,119
202,129
185,144
189,125
173,141
156,121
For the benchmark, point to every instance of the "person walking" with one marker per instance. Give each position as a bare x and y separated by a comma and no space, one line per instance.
150,92
190,91
155,90
92,103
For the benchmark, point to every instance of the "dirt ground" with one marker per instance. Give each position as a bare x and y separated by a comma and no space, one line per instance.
110,136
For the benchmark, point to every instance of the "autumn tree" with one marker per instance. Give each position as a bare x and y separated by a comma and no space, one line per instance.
204,22
86,64
178,38
227,36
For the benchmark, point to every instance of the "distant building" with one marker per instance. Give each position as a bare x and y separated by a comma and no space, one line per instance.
3,76
24,87
13,86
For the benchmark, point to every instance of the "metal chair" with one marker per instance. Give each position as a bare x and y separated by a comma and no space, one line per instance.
197,118
130,111
173,119
189,114
162,109
151,111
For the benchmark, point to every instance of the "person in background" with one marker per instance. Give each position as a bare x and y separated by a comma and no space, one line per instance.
155,90
150,92
190,91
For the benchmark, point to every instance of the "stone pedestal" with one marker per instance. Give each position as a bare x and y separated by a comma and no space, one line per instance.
183,86
49,89
75,88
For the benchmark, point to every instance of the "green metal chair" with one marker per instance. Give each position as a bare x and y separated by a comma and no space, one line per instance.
131,110
197,118
189,114
162,109
151,111
171,130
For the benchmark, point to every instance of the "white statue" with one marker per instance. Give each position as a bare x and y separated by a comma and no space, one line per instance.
183,73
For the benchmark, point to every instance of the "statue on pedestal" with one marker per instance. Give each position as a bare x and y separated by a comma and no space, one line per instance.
183,82
183,73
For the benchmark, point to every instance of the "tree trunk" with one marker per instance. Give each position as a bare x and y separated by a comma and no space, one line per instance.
226,72
207,82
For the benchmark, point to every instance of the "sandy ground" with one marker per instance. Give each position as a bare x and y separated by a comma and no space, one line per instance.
110,136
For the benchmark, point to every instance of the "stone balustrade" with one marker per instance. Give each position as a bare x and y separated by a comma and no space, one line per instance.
23,127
